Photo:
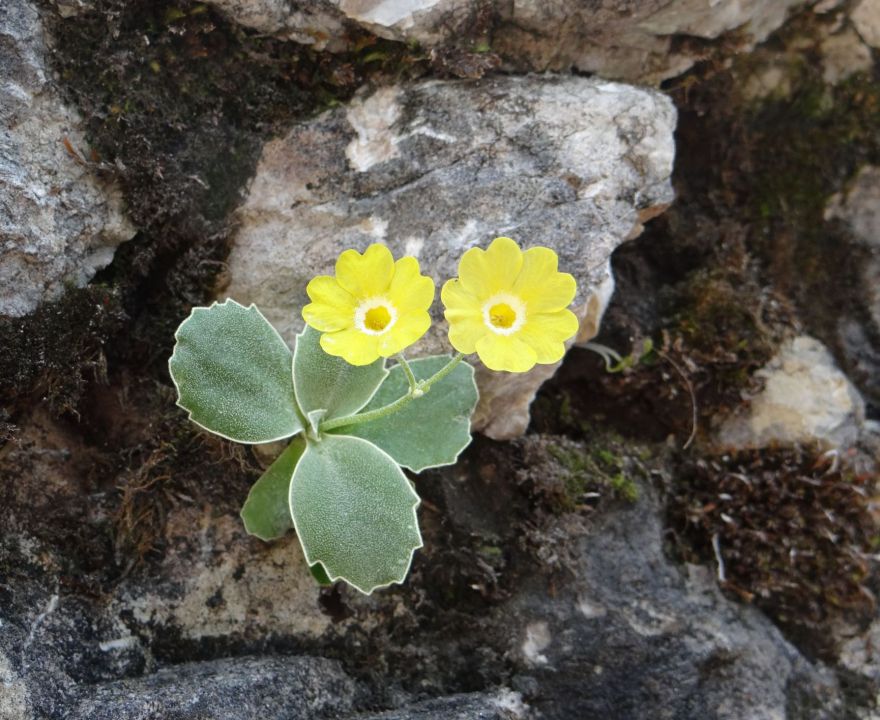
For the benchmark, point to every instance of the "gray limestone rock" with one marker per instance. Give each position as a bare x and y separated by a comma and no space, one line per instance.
633,41
843,55
665,634
439,167
616,39
859,208
243,688
503,705
59,221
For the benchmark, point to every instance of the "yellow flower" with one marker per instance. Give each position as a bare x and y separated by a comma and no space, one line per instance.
509,306
373,307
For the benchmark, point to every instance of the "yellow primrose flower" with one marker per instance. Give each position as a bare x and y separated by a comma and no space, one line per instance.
510,307
373,307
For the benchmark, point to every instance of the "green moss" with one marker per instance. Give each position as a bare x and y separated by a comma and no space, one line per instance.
565,413
492,552
716,316
829,132
606,456
595,470
624,487
575,473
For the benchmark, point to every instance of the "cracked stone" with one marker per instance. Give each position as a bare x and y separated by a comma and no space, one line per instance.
439,167
612,38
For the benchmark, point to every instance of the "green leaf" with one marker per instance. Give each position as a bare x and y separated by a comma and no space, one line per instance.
432,430
266,512
354,512
232,372
320,574
325,382
315,417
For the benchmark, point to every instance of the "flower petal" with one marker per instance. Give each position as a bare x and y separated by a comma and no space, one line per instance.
465,329
325,289
327,318
484,273
410,290
464,315
505,352
543,288
332,307
405,332
365,275
353,346
455,296
546,334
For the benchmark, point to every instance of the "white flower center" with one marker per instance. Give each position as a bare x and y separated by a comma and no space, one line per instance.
504,313
375,316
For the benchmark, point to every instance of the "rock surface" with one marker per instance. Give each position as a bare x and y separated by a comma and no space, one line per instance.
805,399
504,705
858,208
628,634
844,55
634,41
694,654
59,221
865,17
434,169
235,689
614,39
225,582
310,22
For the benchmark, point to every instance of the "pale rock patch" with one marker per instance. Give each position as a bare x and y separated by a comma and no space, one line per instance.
843,55
14,701
227,582
537,639
310,22
806,399
866,18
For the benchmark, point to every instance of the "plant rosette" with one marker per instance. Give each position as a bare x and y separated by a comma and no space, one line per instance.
354,423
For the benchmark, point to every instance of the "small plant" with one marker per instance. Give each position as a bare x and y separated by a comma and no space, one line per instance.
354,423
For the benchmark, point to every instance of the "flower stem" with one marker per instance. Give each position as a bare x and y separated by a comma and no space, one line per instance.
381,412
415,391
407,371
